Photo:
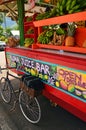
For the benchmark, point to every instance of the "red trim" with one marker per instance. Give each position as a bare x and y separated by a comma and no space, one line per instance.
65,48
62,19
64,60
69,103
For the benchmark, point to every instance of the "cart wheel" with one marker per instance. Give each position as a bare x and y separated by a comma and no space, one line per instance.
30,107
5,90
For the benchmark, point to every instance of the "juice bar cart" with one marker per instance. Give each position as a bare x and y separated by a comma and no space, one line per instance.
62,69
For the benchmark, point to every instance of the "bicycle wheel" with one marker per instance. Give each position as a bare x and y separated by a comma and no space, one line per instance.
5,90
30,107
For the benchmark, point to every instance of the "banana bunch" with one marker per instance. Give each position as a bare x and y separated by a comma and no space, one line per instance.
45,37
61,7
28,42
70,6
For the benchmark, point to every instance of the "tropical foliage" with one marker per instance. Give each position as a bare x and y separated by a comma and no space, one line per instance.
1,18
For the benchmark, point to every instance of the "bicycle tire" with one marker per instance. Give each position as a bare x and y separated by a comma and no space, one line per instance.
29,107
5,90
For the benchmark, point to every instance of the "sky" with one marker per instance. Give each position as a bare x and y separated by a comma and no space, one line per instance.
9,22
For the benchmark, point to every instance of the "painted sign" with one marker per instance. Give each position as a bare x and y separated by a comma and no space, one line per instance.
31,4
68,80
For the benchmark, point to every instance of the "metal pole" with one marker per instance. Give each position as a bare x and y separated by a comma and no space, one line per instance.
4,17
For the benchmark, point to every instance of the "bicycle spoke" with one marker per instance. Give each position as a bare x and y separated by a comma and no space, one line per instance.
29,107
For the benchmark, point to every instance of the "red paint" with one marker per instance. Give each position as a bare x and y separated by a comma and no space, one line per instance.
62,19
68,102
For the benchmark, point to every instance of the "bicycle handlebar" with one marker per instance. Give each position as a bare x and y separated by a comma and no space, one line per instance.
8,72
16,67
6,68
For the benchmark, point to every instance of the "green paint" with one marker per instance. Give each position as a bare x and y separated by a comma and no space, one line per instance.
20,4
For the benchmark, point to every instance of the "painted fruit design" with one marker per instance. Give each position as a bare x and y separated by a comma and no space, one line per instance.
71,88
63,85
45,77
57,83
78,92
84,94
33,72
40,76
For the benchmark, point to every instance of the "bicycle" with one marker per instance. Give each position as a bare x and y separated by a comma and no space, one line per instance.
30,107
6,88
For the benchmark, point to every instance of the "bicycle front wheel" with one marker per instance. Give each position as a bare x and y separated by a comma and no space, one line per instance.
5,90
30,107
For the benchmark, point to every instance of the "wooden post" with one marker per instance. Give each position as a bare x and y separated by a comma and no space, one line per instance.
20,4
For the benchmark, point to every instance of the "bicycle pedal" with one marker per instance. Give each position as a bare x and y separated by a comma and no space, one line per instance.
16,91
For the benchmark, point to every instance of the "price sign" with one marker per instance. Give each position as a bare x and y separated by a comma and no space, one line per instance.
31,4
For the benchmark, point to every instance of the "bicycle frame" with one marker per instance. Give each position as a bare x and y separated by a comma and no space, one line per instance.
12,91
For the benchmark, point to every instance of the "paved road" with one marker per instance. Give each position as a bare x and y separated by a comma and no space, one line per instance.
56,118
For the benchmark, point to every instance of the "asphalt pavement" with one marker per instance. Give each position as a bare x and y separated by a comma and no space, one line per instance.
55,118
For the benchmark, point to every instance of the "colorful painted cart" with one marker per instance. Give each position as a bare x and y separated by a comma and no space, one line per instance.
61,69
63,75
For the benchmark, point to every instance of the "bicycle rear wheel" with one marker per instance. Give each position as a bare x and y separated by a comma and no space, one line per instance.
30,107
5,90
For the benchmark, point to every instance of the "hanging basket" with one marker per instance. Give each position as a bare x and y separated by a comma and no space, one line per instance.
12,42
